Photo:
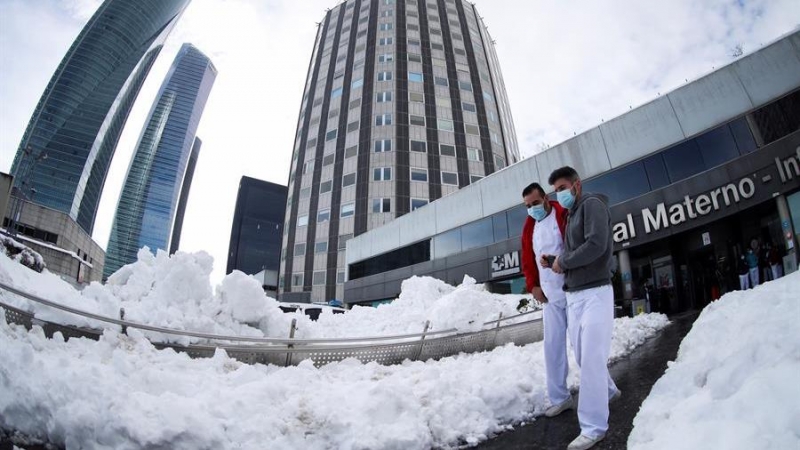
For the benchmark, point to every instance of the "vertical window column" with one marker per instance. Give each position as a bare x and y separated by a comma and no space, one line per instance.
434,178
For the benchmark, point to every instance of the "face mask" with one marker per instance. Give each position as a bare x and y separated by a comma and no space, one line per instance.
566,198
537,212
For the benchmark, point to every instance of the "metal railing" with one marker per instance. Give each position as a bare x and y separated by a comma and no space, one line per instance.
291,351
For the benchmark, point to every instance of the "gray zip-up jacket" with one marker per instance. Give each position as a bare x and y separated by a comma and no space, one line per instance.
588,258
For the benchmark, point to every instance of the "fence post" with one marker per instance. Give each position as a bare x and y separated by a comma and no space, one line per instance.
289,347
122,317
497,331
422,340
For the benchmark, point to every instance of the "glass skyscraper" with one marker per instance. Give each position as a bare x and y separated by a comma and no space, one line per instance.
79,118
257,227
404,103
149,200
175,242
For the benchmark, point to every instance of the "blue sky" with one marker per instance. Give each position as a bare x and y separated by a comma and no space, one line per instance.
566,65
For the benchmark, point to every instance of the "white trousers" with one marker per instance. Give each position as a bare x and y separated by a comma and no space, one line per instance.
590,315
754,277
744,282
555,347
777,271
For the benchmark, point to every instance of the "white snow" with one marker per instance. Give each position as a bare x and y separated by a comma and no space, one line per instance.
122,393
734,384
175,292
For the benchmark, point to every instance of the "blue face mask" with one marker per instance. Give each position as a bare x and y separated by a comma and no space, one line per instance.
566,198
537,212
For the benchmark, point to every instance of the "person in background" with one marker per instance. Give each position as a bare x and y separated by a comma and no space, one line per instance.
775,260
763,263
543,233
744,273
752,262
587,263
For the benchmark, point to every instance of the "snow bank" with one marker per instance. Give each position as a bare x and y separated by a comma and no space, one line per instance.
175,292
21,253
734,383
122,393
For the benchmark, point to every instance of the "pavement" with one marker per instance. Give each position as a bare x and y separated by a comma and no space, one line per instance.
634,375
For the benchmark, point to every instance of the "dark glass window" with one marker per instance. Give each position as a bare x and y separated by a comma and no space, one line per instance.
402,257
683,161
621,184
744,138
500,227
717,146
516,220
779,118
656,171
447,243
477,234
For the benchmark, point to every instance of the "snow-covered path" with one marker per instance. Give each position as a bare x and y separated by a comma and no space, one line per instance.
734,384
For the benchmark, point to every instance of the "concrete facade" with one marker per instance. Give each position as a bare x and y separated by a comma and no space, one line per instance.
67,249
404,104
731,93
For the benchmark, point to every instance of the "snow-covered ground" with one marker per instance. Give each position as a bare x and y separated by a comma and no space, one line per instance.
175,292
734,384
122,393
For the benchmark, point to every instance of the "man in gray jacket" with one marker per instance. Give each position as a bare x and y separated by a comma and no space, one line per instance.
587,262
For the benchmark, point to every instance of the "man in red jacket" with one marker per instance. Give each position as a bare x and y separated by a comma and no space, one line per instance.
543,234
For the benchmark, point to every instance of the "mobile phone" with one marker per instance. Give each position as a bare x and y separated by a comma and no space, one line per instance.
550,260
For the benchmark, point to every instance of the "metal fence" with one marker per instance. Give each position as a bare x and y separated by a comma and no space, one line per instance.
520,329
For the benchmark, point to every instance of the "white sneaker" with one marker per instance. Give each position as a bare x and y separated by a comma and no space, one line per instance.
616,396
558,409
582,442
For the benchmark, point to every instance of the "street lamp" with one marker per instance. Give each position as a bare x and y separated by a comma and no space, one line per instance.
19,202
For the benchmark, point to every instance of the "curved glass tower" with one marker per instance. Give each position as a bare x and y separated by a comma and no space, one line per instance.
80,116
149,199
404,103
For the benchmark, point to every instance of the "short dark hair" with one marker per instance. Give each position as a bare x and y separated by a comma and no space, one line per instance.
533,187
563,172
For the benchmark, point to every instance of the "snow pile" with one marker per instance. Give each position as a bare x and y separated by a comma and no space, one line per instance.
122,393
175,292
21,253
734,383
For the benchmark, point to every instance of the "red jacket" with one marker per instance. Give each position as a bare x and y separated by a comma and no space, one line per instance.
529,266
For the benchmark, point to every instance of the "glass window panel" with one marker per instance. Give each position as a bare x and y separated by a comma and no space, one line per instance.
450,178
321,247
683,161
419,175
323,215
621,184
415,77
744,138
717,146
349,179
419,146
656,171
477,234
447,150
418,203
516,217
302,221
348,209
500,227
447,243
299,249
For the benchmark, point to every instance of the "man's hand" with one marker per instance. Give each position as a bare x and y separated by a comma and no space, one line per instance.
544,262
557,267
538,295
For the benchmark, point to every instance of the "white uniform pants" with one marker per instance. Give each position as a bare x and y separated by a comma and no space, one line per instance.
591,324
777,271
754,276
744,282
555,347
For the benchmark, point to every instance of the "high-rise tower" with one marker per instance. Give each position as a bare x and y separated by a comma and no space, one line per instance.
80,116
404,103
149,200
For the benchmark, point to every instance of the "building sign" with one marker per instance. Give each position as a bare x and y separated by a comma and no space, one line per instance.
505,264
663,216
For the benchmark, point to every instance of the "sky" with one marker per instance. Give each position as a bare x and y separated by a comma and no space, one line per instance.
567,66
